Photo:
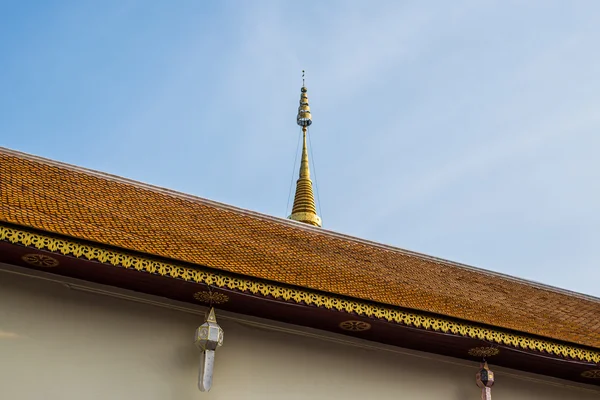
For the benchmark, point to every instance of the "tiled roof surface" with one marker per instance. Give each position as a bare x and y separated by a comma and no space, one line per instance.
88,205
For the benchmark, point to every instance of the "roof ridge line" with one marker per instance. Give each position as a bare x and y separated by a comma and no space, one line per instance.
294,224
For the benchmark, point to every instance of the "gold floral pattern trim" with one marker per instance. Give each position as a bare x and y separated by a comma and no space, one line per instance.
484,351
40,260
211,297
331,302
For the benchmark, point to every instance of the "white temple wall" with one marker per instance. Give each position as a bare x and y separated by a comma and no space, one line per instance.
60,343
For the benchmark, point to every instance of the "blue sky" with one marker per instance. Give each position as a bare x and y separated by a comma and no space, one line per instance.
467,130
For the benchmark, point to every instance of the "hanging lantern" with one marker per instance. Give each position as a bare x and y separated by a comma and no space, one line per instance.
485,380
208,338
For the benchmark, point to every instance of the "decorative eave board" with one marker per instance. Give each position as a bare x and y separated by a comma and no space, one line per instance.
377,322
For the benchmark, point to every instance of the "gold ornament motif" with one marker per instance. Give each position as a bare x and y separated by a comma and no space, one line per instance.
356,307
484,352
355,326
211,297
591,374
40,260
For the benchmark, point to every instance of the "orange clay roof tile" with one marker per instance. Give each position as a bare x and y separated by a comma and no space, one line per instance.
68,200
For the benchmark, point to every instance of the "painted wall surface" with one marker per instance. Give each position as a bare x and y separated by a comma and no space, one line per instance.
60,343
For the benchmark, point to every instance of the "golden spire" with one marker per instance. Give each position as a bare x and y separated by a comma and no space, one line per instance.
304,209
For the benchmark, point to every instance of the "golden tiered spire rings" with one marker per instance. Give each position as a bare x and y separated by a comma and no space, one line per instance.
304,209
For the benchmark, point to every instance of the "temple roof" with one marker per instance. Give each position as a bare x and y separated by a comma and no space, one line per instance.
88,205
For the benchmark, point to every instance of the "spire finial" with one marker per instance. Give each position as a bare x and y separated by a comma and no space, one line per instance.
304,209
